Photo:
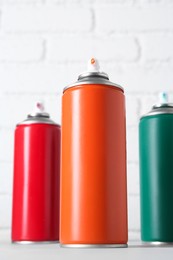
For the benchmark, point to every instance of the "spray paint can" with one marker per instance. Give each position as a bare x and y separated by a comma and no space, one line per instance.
156,173
35,213
93,194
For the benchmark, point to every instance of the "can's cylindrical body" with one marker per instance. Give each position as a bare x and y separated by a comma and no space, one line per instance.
35,215
93,170
156,177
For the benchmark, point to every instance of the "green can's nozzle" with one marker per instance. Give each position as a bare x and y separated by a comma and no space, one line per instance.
163,97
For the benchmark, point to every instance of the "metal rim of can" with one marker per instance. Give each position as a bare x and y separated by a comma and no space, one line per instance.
93,74
93,245
159,109
29,242
157,243
37,120
163,105
87,78
105,83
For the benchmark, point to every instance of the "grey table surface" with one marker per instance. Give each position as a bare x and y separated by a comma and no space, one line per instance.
136,250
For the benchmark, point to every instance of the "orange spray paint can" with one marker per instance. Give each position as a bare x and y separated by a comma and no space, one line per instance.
93,204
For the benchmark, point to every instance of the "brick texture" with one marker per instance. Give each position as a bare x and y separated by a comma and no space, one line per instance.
45,19
113,18
106,49
21,49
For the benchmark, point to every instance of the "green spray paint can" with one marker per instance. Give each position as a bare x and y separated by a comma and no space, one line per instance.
156,173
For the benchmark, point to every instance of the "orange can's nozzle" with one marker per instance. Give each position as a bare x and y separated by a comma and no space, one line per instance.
92,61
93,65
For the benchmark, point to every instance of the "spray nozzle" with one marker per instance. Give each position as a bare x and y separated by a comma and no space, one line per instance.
93,65
93,71
163,96
39,106
39,110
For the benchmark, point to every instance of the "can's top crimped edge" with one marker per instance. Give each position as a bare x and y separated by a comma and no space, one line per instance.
93,75
36,120
163,107
38,116
157,109
93,80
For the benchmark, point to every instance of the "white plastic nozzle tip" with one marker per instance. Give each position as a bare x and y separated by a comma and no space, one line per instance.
93,65
163,96
39,107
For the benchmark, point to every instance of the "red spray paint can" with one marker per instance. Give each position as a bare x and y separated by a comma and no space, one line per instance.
35,213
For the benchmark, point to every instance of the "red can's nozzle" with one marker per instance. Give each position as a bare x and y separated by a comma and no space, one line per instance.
40,106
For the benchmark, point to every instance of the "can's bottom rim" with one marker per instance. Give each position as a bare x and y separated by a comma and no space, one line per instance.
94,245
157,243
28,242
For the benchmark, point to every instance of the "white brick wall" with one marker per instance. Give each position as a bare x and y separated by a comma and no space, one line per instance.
44,45
134,18
21,48
107,48
46,19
